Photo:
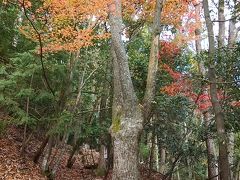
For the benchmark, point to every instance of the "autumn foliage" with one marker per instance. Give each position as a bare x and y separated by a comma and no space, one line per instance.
182,85
67,25
168,51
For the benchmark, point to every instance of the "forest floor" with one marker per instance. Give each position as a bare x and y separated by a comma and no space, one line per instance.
14,166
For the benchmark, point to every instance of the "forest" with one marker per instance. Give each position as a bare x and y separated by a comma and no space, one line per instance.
120,89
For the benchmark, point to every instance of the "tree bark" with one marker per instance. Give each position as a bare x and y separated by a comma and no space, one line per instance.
221,18
125,130
41,149
75,148
232,31
212,168
57,163
151,158
126,156
46,157
177,174
162,169
153,63
59,156
102,166
156,154
222,137
231,152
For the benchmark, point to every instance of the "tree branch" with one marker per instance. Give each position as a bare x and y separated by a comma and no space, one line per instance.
41,47
230,19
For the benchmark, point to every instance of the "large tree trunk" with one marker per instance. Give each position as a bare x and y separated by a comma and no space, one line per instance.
222,137
127,117
126,156
126,126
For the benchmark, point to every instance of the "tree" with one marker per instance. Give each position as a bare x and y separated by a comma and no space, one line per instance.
211,154
127,115
125,106
218,112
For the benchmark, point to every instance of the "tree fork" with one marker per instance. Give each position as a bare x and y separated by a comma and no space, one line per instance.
128,117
